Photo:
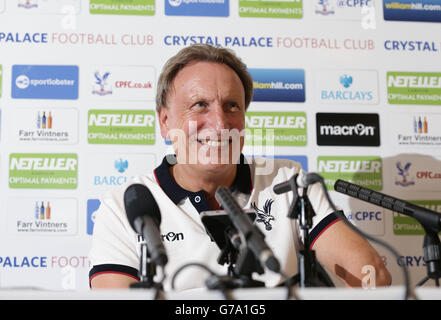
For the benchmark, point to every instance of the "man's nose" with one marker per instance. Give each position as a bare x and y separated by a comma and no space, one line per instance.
218,118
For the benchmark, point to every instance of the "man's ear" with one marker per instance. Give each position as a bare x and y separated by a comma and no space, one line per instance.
163,119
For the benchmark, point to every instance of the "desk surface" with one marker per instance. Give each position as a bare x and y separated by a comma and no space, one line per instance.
390,293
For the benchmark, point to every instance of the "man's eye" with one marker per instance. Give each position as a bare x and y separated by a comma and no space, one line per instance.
233,105
199,105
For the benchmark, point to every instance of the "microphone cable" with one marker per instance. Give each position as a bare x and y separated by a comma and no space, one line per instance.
217,281
214,278
407,293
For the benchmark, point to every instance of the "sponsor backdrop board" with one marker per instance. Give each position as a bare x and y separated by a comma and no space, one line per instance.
350,89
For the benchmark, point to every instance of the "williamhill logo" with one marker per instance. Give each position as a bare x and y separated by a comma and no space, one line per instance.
43,171
364,171
121,127
414,88
286,85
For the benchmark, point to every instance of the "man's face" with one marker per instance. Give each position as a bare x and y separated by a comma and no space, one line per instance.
205,115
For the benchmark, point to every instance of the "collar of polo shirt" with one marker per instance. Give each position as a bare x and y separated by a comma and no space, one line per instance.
242,183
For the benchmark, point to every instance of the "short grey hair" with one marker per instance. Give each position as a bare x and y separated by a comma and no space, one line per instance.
201,52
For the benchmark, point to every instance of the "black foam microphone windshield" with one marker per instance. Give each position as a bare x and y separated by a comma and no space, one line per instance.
145,218
431,220
253,236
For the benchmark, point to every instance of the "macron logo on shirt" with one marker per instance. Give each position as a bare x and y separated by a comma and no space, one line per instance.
169,237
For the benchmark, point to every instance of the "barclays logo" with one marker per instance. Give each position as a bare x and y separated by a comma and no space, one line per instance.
113,180
346,81
336,86
121,165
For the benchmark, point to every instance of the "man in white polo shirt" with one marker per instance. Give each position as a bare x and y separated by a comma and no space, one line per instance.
203,92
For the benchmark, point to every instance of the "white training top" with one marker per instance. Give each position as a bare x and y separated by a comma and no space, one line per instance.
116,247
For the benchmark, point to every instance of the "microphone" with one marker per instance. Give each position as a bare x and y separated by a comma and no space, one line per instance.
144,217
302,180
430,220
254,238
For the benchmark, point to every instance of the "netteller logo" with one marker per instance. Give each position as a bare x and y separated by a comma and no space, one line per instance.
121,127
121,120
405,225
276,128
414,88
40,163
42,171
364,171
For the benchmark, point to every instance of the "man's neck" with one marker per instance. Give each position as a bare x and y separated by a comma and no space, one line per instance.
190,179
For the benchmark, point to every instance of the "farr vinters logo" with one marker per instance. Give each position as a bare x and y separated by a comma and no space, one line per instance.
46,126
420,130
31,216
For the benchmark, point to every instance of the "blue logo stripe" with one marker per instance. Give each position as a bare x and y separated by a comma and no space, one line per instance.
280,85
201,9
44,82
412,10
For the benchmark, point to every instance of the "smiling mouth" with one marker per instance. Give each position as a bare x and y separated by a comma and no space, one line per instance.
214,143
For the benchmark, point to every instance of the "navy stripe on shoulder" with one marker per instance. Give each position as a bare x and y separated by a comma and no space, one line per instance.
325,223
113,268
